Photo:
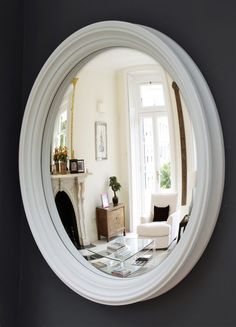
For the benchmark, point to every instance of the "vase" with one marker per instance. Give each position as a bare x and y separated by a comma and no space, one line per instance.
63,167
57,167
115,200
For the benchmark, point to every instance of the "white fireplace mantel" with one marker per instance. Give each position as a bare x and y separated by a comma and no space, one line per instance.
74,186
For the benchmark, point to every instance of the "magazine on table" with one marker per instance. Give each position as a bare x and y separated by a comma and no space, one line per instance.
121,272
99,264
115,246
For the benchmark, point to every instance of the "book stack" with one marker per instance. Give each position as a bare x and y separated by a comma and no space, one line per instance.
115,246
99,264
143,259
121,272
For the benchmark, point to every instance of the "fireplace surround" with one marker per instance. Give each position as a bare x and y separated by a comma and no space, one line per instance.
74,186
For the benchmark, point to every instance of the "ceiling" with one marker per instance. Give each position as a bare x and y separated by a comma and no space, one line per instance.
119,58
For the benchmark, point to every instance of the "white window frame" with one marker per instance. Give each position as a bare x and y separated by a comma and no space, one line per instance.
136,77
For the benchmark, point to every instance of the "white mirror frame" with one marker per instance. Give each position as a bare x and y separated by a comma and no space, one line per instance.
34,166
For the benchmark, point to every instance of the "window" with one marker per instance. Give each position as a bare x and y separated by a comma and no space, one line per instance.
151,139
152,94
164,149
156,155
61,136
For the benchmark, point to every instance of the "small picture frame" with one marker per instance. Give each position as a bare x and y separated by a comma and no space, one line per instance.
81,166
105,200
74,167
101,140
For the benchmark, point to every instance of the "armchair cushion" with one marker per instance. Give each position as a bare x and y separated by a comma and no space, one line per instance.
154,229
161,213
163,200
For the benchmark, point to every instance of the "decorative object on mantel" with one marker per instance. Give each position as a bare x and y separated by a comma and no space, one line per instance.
115,186
74,166
63,167
59,156
77,166
63,157
55,169
81,166
101,140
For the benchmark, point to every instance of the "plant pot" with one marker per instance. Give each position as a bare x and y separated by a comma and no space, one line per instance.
57,167
115,200
63,167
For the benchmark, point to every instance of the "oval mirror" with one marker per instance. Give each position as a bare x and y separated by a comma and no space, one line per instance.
117,147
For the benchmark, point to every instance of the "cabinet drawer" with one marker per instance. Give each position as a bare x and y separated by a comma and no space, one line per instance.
110,221
116,220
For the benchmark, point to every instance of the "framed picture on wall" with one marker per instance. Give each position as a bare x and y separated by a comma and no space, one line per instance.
101,140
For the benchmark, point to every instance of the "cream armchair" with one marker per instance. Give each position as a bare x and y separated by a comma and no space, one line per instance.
163,232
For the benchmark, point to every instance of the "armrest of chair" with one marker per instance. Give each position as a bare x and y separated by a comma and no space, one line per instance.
174,220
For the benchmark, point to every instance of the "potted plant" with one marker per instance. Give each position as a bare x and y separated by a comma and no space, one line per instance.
115,186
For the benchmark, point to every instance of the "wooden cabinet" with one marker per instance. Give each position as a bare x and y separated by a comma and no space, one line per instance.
110,221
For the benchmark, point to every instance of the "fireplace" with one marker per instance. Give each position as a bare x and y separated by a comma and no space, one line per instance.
68,192
68,218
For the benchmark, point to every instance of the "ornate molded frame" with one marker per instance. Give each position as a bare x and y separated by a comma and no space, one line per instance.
36,188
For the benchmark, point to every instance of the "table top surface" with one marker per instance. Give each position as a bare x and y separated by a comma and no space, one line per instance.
111,207
122,248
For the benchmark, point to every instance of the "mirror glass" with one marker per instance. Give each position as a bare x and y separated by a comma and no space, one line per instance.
123,163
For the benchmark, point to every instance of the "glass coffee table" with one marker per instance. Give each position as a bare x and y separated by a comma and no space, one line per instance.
123,256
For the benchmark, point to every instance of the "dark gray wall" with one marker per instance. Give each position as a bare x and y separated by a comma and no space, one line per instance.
206,30
10,201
